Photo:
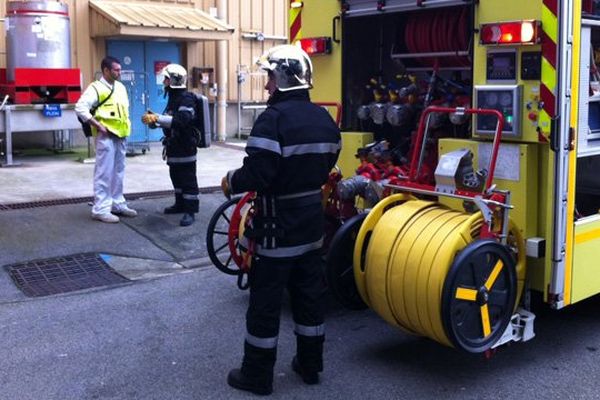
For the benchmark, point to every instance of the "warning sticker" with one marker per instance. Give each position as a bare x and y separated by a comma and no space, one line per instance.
158,67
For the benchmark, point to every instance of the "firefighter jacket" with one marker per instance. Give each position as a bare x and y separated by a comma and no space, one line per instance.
114,113
292,147
178,122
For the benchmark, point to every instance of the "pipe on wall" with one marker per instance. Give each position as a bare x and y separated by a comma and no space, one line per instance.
222,70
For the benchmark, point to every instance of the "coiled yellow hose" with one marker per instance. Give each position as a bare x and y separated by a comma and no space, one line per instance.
402,256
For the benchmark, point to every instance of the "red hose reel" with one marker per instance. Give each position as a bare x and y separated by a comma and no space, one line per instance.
439,31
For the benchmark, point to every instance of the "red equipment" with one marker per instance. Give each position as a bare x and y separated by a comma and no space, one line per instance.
415,184
42,85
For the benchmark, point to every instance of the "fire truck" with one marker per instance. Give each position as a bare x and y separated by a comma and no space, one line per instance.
471,137
491,109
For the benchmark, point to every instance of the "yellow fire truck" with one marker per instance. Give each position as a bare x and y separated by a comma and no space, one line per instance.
491,111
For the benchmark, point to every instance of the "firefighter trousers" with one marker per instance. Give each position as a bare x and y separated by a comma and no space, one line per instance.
185,184
268,277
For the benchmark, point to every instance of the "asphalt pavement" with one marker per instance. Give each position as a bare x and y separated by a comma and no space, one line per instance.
45,208
176,328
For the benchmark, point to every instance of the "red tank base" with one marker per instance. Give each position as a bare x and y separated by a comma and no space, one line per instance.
42,85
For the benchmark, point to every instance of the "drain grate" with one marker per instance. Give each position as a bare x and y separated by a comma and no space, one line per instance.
78,200
63,274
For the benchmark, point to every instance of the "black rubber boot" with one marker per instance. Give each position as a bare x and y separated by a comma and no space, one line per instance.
309,377
309,352
238,380
187,219
174,209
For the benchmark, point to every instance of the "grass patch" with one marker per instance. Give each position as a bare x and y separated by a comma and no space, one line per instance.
73,153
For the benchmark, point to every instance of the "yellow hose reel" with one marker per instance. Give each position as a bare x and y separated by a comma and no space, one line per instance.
422,267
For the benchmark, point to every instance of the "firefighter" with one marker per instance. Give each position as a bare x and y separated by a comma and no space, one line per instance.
181,136
292,147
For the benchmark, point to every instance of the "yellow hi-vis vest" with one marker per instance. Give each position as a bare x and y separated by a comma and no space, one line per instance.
114,113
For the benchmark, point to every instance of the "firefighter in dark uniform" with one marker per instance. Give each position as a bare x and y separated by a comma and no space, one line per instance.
179,124
292,147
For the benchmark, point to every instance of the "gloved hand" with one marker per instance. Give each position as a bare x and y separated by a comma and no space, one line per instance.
225,187
149,119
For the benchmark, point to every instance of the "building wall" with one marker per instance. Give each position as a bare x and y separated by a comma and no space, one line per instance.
266,16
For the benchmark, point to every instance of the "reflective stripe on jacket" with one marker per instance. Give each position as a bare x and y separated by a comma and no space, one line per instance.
180,138
292,147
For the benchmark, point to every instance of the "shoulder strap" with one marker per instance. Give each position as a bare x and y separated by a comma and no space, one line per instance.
94,109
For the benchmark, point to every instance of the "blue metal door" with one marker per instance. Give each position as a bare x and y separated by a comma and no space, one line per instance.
141,62
133,76
158,55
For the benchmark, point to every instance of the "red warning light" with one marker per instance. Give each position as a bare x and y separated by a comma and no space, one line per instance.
316,46
518,32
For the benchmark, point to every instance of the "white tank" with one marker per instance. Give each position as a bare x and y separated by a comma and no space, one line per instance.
37,36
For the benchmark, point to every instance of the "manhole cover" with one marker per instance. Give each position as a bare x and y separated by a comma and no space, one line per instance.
63,274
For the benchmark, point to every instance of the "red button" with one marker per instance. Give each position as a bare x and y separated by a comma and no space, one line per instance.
532,116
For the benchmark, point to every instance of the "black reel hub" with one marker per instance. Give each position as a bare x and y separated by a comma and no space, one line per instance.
479,295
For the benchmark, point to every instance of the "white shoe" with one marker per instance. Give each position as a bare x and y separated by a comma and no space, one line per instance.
106,217
125,212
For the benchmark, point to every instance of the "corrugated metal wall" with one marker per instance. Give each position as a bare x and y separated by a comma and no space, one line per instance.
266,16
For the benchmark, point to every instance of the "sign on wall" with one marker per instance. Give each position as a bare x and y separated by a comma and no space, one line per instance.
158,66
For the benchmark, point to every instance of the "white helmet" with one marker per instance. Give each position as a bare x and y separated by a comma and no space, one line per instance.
177,76
290,65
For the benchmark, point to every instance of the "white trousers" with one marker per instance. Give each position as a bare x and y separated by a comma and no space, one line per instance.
108,174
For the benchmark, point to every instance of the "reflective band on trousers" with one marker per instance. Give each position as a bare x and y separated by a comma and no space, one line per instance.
190,196
308,148
262,143
291,251
263,343
178,160
305,330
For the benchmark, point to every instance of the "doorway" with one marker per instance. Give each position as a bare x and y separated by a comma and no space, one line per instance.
141,63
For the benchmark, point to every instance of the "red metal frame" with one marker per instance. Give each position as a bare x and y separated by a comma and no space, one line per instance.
421,134
240,259
413,179
31,85
338,106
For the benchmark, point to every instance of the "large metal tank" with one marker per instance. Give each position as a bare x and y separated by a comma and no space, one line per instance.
37,35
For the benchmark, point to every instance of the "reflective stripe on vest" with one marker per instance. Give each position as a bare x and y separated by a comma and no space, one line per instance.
114,113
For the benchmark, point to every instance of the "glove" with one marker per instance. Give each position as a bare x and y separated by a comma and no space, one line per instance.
149,119
225,187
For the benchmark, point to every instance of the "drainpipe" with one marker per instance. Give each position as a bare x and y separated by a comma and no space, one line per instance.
222,76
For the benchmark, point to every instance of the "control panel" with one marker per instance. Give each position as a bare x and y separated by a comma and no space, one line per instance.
504,98
509,81
501,66
531,65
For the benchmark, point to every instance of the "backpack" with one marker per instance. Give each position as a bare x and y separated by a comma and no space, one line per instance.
201,121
